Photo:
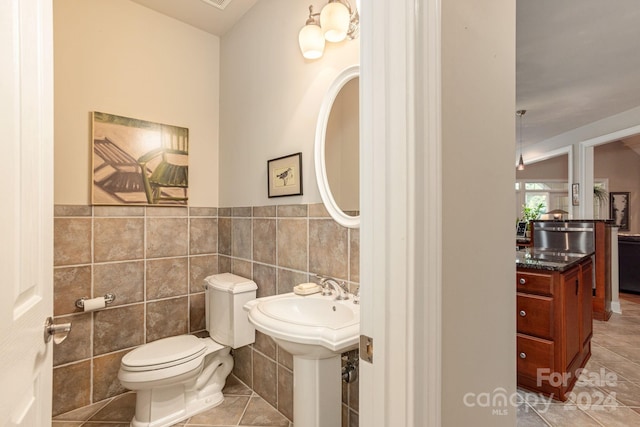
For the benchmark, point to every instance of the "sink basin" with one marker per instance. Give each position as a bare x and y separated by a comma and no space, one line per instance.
313,326
310,312
315,330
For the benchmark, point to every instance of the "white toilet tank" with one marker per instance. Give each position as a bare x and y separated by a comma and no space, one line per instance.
225,295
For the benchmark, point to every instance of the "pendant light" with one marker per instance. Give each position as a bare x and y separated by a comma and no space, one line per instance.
520,113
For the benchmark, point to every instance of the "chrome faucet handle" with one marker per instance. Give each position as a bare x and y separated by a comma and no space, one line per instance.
326,289
341,293
329,283
356,297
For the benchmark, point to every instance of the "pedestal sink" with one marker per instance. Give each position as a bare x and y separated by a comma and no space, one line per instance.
315,329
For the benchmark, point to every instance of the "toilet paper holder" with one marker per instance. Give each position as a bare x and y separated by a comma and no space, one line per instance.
108,299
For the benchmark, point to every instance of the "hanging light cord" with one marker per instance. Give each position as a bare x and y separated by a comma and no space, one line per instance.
520,113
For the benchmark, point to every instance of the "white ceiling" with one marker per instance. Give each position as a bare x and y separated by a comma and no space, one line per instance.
201,14
578,61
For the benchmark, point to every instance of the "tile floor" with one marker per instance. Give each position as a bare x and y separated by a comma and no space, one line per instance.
241,407
612,400
610,395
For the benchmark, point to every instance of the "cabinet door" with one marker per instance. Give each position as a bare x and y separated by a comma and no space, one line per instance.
535,315
571,322
586,315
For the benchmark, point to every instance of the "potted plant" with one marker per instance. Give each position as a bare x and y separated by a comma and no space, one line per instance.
530,213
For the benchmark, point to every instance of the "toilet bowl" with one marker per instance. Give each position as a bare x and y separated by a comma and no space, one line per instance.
177,377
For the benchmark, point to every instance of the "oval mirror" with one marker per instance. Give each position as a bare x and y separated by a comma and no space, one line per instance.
337,149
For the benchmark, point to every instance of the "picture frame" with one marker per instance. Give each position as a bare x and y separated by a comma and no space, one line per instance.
575,194
137,162
521,229
619,209
284,176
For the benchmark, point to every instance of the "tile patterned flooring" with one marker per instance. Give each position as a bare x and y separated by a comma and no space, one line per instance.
241,407
609,394
612,400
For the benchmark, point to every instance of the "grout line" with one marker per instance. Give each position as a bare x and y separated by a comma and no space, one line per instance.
544,420
589,415
247,405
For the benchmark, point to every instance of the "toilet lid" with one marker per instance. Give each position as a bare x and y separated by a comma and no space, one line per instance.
164,353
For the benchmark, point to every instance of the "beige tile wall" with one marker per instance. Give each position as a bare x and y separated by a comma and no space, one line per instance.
279,247
155,259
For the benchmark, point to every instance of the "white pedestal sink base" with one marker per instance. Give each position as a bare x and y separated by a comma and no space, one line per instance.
317,392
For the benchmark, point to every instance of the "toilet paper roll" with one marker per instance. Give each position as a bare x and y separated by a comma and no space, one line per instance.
94,304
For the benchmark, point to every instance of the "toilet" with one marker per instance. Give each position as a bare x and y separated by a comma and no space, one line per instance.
177,377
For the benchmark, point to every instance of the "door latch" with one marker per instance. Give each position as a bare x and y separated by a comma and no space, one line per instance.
366,348
58,332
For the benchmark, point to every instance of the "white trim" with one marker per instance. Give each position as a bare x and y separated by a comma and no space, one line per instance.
400,195
585,158
613,136
585,167
568,150
329,201
428,384
616,126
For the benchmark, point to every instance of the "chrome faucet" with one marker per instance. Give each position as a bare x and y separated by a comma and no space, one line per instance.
329,282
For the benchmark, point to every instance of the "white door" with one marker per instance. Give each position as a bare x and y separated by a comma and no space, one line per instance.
26,225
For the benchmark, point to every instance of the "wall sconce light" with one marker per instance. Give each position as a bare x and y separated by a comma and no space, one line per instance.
336,21
520,113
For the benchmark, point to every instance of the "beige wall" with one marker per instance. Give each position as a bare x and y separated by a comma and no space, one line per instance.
478,270
118,57
621,165
271,98
553,168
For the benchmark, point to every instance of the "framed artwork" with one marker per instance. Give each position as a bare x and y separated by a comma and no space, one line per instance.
619,209
521,229
284,176
135,162
575,194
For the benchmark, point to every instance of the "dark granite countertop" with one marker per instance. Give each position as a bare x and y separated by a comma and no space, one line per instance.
545,259
606,221
628,237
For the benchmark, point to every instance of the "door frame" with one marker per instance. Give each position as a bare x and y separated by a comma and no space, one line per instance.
401,278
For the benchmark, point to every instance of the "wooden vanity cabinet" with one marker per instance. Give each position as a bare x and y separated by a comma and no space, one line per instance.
554,327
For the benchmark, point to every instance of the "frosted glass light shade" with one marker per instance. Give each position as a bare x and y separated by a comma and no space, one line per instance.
334,20
311,41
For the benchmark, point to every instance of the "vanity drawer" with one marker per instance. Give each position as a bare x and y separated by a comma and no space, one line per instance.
533,354
535,315
534,283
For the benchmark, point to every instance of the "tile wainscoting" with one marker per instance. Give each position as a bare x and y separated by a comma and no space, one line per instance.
154,259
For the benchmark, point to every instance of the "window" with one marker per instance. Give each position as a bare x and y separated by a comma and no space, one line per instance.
554,194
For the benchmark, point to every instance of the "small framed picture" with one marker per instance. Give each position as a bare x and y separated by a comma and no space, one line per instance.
284,176
575,194
619,209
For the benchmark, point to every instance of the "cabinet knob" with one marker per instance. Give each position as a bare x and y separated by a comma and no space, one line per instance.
523,281
523,355
523,313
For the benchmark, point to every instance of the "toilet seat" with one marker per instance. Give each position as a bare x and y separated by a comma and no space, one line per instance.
164,353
